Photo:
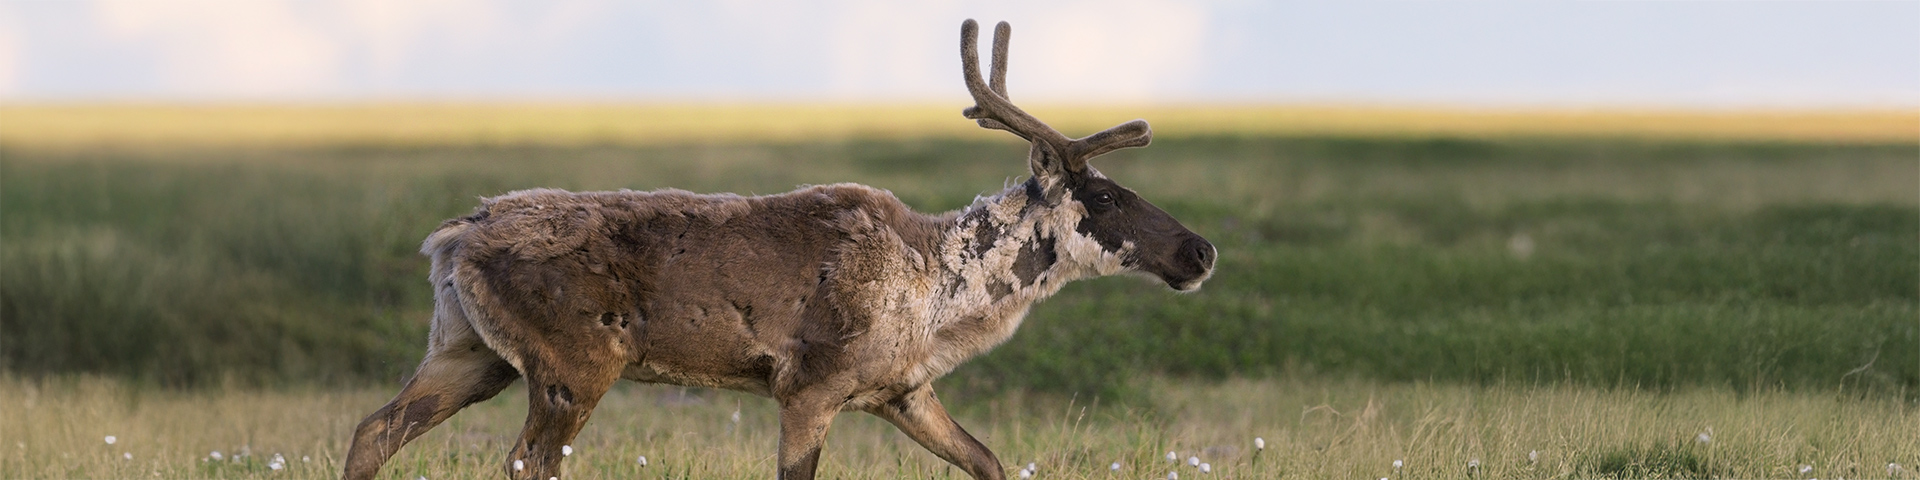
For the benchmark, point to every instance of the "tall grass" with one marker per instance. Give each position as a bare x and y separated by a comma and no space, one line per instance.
1313,427
1604,262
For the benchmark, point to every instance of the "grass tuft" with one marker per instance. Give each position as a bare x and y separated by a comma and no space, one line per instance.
1653,461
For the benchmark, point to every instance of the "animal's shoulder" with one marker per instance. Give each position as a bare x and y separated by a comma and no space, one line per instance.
842,196
861,210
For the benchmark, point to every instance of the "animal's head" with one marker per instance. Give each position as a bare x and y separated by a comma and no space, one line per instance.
1107,216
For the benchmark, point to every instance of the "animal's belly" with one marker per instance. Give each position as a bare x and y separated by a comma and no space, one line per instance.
666,373
706,342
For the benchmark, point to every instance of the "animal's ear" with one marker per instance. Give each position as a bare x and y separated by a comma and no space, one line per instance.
1044,162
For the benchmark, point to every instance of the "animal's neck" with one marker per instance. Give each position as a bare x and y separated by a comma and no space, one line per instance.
1003,248
997,257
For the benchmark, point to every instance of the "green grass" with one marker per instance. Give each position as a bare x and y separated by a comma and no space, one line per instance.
1313,428
1663,265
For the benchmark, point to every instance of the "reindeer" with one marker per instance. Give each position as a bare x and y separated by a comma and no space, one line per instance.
826,299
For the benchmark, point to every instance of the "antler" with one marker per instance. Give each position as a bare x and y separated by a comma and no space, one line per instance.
992,108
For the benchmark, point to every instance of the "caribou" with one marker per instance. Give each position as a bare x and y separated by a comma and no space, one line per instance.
826,299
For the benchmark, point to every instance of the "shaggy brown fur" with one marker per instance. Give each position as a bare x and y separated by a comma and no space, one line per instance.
827,298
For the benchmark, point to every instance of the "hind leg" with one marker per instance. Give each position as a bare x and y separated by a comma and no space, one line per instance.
448,379
562,390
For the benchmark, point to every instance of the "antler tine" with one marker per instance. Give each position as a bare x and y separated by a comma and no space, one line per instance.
997,76
970,67
1001,35
1126,135
970,71
991,109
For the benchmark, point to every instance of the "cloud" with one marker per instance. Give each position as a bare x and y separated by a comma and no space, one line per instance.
1113,50
9,54
848,49
885,48
226,48
1129,50
877,50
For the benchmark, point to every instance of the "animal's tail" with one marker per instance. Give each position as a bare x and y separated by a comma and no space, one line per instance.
459,298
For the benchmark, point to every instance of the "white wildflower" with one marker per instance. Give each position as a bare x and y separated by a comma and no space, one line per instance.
111,439
306,459
1893,469
1703,437
1031,466
1171,457
1206,468
1173,475
1024,473
422,477
1396,465
566,450
1533,456
1521,245
1259,443
736,416
276,466
1116,467
1193,461
216,455
126,455
519,465
643,460
1805,468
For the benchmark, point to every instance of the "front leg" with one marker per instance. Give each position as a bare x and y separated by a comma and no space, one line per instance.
919,414
804,418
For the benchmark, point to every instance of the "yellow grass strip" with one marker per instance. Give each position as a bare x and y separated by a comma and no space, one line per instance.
86,125
1311,428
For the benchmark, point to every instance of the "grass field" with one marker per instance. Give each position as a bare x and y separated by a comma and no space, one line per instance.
1598,295
1311,429
1602,262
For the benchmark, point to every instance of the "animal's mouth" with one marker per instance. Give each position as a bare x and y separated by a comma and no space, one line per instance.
1189,284
1193,266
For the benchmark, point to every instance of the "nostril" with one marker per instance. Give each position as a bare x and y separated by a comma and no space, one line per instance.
1201,251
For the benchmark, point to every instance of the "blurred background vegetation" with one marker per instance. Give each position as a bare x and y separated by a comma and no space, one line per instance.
1386,251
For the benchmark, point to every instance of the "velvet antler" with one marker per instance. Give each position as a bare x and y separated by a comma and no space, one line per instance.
992,109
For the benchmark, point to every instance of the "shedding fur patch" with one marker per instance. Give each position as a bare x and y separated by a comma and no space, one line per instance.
990,281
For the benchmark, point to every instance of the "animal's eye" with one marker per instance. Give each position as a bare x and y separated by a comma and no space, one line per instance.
1104,199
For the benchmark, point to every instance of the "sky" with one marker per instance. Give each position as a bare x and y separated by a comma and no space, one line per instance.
1539,53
